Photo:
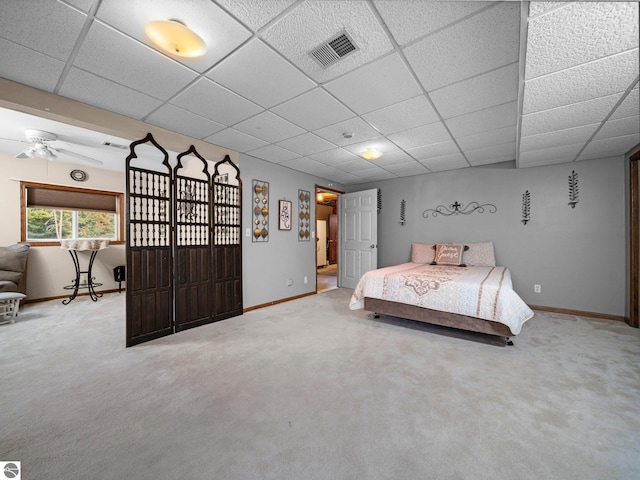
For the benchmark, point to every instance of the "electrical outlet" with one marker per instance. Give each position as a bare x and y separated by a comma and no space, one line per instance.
537,288
289,282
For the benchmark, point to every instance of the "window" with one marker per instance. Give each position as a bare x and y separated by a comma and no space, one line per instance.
51,213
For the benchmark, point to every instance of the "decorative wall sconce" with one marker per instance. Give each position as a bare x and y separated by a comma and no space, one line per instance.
526,207
459,209
403,206
573,189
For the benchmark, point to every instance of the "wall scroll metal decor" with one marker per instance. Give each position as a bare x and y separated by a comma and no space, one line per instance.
304,216
526,207
459,209
573,189
260,211
403,207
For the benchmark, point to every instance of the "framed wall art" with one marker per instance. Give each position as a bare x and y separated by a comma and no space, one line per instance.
284,215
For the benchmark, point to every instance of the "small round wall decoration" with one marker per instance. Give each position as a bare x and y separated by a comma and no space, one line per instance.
79,175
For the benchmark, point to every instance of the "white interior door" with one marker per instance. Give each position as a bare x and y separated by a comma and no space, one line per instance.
358,229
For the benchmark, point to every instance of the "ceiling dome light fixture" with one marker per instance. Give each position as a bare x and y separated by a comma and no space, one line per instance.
371,154
174,37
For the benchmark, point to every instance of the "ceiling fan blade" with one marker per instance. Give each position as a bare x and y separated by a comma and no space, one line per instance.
79,156
22,155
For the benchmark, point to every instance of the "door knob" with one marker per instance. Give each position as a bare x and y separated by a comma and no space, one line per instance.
372,246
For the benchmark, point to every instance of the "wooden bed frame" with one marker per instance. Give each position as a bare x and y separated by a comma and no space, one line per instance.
436,317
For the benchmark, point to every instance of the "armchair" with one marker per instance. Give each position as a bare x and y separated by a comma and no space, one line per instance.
13,268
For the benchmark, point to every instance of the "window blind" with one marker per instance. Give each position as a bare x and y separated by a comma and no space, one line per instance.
38,197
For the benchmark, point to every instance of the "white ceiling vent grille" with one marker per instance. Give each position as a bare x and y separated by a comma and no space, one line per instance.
334,49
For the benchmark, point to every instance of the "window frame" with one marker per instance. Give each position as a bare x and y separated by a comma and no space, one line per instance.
119,197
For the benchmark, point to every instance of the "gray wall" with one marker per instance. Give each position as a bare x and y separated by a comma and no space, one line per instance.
576,255
268,265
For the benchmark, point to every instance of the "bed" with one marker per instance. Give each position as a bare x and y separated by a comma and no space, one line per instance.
453,285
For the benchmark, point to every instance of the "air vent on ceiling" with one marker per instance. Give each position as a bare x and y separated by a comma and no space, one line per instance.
106,143
334,49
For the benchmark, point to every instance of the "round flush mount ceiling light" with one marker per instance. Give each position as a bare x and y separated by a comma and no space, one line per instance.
371,154
174,37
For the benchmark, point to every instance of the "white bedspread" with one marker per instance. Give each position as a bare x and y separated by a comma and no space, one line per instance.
481,292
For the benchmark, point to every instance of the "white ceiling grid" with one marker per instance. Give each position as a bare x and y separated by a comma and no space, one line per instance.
434,85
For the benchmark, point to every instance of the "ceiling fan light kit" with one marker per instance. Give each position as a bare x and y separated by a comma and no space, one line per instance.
174,37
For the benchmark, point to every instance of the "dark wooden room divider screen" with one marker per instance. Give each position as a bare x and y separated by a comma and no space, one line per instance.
184,252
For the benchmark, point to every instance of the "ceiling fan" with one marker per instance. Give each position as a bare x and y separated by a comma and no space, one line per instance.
42,146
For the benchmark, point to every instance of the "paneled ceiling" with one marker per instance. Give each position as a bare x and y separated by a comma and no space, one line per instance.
433,85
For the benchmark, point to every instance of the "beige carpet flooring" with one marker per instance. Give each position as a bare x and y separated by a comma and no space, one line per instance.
311,390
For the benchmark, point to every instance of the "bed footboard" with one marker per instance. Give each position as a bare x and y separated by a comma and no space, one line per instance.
436,317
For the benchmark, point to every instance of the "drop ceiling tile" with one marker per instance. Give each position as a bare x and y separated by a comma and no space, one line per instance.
24,26
574,115
483,120
420,136
549,156
408,20
256,13
434,150
313,110
404,115
585,82
334,157
376,175
406,169
303,164
215,102
111,55
629,107
538,8
313,23
397,157
258,73
482,43
349,179
355,165
380,143
22,65
220,31
611,146
619,128
495,154
379,84
487,90
100,92
325,171
446,162
269,127
306,144
558,138
273,153
580,33
360,129
498,136
84,5
181,121
235,140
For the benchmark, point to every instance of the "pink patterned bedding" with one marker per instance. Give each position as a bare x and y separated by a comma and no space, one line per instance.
481,292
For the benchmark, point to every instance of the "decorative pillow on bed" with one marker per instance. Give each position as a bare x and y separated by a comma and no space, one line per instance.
480,254
449,254
422,253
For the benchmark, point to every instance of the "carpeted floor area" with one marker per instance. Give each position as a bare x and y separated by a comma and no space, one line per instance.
311,390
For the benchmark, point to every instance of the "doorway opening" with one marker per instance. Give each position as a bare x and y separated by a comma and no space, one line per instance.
326,238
